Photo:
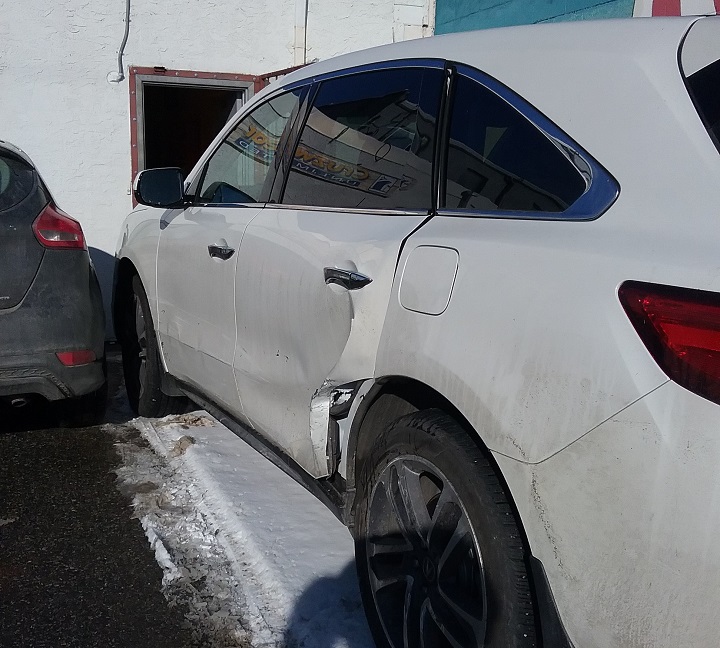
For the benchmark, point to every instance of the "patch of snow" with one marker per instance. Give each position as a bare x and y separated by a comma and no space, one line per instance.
255,557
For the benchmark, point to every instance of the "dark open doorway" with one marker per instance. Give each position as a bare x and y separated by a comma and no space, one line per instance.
175,114
181,121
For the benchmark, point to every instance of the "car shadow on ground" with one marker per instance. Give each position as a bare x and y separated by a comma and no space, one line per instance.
329,613
40,414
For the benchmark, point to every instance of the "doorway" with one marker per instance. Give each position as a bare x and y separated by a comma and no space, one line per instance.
176,114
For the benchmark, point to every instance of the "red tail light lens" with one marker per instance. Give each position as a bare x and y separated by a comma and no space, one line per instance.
681,329
75,358
55,229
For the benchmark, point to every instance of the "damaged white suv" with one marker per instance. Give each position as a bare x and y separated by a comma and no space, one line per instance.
467,290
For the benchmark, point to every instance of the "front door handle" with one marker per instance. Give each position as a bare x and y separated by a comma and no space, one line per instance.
223,252
348,279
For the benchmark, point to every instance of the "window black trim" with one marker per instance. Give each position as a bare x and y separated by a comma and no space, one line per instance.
429,63
283,174
442,137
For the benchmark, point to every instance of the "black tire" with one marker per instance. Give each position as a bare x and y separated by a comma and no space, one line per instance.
439,555
141,361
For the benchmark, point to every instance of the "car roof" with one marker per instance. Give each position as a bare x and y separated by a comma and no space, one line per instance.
512,50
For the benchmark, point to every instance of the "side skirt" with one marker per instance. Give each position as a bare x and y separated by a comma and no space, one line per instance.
330,491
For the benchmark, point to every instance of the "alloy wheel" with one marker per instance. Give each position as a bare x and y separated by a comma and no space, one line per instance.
424,562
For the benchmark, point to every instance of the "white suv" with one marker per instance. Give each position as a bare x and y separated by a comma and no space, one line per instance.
467,290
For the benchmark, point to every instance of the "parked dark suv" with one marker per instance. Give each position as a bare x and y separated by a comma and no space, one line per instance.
52,324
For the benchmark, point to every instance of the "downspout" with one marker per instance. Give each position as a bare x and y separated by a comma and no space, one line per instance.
300,43
117,77
429,22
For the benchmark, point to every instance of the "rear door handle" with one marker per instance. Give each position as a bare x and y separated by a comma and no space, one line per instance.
223,252
348,279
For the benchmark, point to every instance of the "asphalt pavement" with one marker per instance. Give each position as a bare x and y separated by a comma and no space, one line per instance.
75,566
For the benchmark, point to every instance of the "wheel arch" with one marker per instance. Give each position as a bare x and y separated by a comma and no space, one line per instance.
388,399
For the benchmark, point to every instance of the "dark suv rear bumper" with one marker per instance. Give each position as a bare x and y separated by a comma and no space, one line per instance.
45,375
62,311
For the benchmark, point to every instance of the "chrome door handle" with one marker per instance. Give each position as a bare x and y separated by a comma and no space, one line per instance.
220,252
348,279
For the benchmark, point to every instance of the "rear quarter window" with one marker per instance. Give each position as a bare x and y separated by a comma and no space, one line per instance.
16,181
499,161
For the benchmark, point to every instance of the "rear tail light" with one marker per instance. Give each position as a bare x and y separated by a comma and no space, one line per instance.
681,329
75,358
55,229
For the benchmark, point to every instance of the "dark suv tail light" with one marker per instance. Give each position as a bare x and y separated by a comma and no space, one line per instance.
55,229
75,358
681,329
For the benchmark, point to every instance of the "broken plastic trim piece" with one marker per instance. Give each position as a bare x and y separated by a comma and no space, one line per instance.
342,399
329,404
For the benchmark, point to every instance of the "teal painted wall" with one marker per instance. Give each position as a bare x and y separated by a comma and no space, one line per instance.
464,15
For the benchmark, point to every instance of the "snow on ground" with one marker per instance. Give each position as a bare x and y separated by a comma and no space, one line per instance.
254,557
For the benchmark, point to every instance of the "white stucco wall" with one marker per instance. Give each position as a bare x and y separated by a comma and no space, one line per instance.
57,104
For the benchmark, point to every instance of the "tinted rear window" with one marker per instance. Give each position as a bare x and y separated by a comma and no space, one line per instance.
16,181
499,161
704,88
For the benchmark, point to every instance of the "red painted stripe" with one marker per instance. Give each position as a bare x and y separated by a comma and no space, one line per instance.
717,6
666,8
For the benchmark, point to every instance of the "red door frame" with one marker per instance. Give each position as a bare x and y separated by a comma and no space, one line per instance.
160,72
258,83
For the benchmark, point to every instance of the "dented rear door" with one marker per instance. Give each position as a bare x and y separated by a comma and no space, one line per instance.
316,271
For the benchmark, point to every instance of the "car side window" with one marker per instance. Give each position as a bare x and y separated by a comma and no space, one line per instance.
498,160
238,170
368,142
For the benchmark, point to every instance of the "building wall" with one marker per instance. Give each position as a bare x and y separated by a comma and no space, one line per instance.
58,60
464,15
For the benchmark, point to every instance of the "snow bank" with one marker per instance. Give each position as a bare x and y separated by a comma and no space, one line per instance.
255,557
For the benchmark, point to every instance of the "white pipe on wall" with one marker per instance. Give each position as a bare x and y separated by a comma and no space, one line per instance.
300,43
117,77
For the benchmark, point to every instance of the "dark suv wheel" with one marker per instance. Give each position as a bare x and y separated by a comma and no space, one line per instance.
440,559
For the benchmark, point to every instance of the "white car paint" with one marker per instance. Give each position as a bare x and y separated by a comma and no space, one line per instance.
611,465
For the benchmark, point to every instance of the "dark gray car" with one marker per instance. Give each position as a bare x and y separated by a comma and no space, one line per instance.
52,323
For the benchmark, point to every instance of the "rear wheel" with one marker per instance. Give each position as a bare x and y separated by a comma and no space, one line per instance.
141,361
440,558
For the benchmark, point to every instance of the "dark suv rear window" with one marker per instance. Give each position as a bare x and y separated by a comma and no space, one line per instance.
16,180
704,88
